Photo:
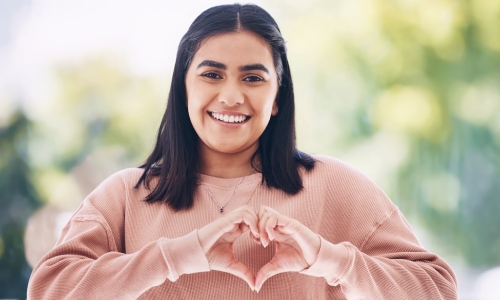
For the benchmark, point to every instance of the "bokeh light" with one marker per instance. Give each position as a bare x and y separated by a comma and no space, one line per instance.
405,90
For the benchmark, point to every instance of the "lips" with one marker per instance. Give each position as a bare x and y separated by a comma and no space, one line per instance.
226,118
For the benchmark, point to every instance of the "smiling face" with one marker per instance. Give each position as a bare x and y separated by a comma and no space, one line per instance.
231,88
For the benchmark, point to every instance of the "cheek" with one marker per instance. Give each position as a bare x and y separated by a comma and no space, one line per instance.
193,107
195,113
193,100
265,102
199,94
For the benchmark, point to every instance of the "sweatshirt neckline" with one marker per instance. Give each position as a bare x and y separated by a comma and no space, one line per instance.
229,182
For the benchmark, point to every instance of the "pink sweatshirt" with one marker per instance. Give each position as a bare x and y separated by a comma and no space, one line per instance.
117,246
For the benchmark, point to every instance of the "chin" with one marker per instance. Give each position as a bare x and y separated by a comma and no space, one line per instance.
228,150
232,148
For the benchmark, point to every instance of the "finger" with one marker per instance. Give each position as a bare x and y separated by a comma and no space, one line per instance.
262,229
251,219
265,208
238,230
282,224
238,269
270,225
262,210
244,227
255,239
244,215
267,271
209,234
267,216
308,241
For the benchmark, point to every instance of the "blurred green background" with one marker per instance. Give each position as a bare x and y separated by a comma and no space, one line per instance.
407,91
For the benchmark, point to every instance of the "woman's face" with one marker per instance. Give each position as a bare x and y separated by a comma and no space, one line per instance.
231,88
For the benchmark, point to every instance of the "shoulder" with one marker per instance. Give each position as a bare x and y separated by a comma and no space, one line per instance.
113,192
342,181
123,179
126,175
330,161
348,199
336,169
106,205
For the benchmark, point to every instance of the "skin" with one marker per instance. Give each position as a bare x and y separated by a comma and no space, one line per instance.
233,74
297,246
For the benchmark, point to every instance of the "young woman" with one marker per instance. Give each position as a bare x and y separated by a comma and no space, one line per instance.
226,207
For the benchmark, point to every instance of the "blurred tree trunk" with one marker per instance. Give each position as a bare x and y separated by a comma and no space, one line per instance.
18,200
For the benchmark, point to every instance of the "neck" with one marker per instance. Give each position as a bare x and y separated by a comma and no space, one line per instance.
227,165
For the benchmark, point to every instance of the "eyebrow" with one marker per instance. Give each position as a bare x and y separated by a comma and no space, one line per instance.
211,63
254,67
218,65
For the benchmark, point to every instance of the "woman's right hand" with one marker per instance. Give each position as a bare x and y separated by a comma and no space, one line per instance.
217,240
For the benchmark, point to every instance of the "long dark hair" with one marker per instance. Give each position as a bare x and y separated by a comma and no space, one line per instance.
175,159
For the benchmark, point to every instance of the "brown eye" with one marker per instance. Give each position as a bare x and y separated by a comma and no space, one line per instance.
211,75
253,78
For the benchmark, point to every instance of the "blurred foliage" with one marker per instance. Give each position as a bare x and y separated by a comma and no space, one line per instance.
426,74
101,119
18,200
100,105
406,90
100,110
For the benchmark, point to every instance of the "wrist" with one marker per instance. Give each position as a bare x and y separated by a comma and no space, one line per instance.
183,255
330,262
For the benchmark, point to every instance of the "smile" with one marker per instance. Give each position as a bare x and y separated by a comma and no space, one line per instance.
229,118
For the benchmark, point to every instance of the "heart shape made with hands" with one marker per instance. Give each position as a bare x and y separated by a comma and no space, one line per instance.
297,246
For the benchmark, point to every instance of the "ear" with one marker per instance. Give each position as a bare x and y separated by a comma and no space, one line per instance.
274,112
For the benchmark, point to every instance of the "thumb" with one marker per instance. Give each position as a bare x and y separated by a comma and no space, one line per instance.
267,271
240,270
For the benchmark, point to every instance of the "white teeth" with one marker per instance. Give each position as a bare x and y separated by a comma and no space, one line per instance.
228,119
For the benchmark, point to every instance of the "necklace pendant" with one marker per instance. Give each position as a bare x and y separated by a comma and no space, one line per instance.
221,208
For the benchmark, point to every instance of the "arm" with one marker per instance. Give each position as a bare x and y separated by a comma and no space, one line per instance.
86,262
89,260
390,265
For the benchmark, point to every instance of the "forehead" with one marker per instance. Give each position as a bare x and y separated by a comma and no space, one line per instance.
240,48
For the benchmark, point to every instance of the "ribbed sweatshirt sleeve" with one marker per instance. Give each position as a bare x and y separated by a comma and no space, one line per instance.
379,257
390,266
88,261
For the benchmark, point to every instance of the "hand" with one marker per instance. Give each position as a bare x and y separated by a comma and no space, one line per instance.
217,238
297,246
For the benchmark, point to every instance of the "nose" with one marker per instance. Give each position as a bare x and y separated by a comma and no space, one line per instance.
231,94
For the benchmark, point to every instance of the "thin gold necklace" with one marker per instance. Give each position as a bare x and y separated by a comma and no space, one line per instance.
221,207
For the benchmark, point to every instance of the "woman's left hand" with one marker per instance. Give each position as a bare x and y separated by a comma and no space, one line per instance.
297,246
